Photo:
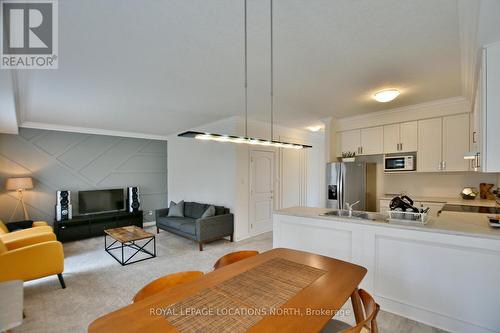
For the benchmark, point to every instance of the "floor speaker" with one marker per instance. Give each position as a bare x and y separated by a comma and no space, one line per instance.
133,199
64,209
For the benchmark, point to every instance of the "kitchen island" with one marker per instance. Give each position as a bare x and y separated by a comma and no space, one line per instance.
445,273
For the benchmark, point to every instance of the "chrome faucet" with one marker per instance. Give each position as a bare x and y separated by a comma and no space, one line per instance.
350,206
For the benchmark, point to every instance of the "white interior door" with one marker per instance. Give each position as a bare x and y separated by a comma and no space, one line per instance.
261,191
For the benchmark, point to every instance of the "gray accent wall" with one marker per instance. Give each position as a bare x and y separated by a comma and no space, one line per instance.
74,161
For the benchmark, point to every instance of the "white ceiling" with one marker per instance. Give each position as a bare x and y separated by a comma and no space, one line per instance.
159,67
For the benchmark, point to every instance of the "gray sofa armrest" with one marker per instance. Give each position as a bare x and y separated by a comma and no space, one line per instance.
161,213
214,227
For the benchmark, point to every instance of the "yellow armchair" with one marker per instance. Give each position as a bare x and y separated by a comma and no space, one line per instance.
40,232
37,225
32,261
22,238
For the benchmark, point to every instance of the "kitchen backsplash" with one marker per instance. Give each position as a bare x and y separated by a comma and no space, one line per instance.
435,184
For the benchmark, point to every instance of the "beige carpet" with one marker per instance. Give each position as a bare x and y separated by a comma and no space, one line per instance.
97,284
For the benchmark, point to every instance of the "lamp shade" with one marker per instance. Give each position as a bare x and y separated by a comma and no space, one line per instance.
14,184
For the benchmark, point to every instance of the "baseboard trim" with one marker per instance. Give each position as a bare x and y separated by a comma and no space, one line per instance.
428,317
149,224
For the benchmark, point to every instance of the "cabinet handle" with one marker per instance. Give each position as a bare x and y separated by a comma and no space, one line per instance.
478,159
474,137
444,165
440,165
401,147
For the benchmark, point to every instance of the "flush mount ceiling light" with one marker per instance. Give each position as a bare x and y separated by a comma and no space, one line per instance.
386,95
246,139
315,128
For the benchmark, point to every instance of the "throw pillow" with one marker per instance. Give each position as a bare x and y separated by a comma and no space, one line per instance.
176,209
210,211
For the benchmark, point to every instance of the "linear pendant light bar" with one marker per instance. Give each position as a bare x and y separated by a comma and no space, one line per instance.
245,139
241,139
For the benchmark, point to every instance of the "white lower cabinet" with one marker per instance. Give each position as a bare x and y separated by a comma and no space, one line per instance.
444,280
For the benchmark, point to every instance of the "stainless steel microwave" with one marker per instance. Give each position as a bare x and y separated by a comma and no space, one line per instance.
399,163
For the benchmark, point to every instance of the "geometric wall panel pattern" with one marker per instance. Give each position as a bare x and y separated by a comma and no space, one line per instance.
74,161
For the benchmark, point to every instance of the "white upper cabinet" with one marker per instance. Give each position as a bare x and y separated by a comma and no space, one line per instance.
442,143
367,141
490,135
349,141
372,141
391,138
430,136
409,136
455,142
401,137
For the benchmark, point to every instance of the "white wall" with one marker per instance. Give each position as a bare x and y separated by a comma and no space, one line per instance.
202,171
292,163
489,27
218,173
8,116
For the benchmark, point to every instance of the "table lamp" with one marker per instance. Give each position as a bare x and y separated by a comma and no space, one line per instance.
19,185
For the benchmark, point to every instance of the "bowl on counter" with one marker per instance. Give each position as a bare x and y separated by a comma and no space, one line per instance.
469,193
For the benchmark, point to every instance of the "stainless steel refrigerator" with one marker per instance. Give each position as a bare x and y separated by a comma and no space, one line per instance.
351,182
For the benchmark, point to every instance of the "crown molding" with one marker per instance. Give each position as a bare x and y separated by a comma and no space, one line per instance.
86,130
468,19
437,108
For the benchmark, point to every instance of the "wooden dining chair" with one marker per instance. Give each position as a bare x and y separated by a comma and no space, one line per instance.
369,324
234,257
165,282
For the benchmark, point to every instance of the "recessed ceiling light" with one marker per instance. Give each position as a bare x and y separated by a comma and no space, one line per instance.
386,95
315,128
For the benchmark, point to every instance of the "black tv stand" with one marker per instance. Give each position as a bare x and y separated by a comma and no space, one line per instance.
92,225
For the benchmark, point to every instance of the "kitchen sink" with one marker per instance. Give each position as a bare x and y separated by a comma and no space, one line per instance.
357,215
337,213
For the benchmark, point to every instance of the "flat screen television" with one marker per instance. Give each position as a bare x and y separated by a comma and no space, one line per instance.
101,201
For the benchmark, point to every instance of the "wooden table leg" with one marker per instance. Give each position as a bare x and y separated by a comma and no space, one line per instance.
357,307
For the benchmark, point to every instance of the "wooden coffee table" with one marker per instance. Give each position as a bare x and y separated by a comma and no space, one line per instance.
128,237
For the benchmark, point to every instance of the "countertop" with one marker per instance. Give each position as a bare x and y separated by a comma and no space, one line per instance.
453,223
450,201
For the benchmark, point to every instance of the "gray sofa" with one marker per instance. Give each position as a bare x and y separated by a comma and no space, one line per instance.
192,226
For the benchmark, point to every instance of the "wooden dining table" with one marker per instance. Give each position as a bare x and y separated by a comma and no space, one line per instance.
323,286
